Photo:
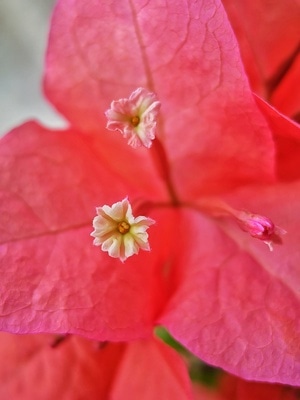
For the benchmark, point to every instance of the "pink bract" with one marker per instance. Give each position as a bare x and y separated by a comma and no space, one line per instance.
218,291
233,388
41,367
268,36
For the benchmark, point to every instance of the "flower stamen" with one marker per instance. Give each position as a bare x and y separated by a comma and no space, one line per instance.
123,227
135,120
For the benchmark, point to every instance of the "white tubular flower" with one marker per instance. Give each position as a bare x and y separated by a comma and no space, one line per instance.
118,232
135,117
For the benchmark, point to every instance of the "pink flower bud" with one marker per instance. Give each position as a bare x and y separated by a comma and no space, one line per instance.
260,227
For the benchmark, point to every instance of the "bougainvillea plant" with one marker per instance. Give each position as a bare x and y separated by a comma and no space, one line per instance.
188,183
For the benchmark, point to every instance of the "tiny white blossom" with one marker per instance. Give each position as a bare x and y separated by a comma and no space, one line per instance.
118,232
135,117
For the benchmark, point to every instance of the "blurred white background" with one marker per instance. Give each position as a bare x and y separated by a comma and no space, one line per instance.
24,28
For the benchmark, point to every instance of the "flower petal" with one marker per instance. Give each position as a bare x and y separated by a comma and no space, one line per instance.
237,306
234,388
268,35
51,181
187,54
287,140
36,368
151,370
55,280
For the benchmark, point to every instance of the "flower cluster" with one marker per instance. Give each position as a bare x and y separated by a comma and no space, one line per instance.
202,148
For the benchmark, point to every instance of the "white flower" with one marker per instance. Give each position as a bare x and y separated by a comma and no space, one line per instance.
135,117
118,232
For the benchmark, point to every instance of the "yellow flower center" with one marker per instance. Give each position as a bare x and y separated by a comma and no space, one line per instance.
123,227
135,120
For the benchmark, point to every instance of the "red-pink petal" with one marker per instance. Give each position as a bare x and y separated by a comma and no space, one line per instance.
52,181
33,367
60,282
151,370
268,35
55,280
77,368
232,306
285,98
187,54
233,388
287,140
281,204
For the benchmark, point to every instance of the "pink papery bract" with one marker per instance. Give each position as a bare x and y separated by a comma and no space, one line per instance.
220,292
